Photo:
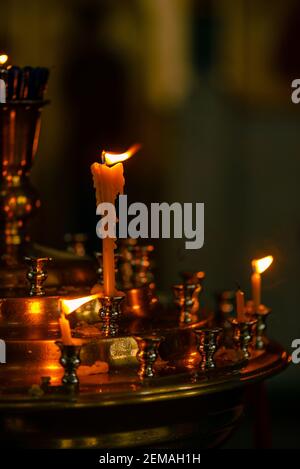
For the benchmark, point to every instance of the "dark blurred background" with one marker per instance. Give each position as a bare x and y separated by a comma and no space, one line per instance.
205,86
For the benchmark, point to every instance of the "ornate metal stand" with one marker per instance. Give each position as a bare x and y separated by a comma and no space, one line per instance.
243,334
37,274
116,405
70,360
261,328
147,354
207,345
110,315
185,299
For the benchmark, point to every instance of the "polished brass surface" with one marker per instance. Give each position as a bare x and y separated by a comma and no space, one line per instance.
120,410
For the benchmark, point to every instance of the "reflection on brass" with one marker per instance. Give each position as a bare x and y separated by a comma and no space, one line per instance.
32,422
207,345
37,274
147,354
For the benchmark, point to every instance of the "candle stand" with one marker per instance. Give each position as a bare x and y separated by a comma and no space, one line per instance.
145,373
70,360
243,334
164,379
147,355
261,338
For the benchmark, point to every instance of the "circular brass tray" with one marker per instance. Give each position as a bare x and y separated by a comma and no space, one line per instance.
118,410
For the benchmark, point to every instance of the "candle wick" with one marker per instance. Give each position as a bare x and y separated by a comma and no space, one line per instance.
102,159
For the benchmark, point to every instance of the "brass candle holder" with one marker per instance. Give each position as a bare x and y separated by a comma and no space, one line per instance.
243,334
37,274
184,298
110,312
147,354
70,361
207,343
261,326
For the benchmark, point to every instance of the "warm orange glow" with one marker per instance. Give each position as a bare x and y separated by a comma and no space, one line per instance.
68,306
3,59
35,307
260,265
113,158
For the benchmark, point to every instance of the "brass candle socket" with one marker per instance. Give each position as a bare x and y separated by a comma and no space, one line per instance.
37,274
110,312
70,361
243,334
261,326
147,354
184,297
207,343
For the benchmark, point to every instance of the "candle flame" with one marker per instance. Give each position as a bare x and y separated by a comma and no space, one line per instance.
110,158
3,59
68,306
260,265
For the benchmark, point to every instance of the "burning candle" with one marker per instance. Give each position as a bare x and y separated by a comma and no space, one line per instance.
258,266
240,305
66,308
109,182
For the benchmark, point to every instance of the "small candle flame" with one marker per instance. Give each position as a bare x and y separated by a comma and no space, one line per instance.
113,158
3,59
68,306
260,265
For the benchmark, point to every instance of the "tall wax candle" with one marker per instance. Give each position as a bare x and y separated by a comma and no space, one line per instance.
109,183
